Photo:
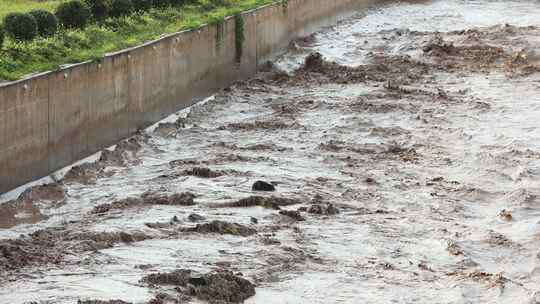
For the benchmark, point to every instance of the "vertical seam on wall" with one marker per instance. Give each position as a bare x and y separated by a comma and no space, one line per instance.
128,95
87,148
168,92
257,24
48,154
170,100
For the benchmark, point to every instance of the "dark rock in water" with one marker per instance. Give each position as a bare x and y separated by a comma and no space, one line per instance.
254,220
216,287
292,214
327,209
194,217
222,227
263,186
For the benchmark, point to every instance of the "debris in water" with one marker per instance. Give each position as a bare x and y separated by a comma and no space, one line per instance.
453,248
327,209
292,214
162,225
505,215
203,172
222,227
194,217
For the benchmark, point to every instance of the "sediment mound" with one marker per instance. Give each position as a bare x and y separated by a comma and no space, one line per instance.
147,198
216,287
222,227
272,202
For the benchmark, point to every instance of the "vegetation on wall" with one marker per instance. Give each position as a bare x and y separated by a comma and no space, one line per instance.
239,35
88,29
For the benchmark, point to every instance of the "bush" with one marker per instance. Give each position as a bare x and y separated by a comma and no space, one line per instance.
142,5
120,8
73,14
20,27
1,36
178,2
161,3
47,23
99,9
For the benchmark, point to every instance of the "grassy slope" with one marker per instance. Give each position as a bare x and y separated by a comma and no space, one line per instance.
17,60
8,6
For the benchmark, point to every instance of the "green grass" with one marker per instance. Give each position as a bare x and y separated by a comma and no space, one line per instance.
9,6
72,46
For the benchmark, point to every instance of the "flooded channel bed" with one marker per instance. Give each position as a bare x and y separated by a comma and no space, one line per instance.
403,150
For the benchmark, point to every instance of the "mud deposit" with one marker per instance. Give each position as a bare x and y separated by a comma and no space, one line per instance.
394,158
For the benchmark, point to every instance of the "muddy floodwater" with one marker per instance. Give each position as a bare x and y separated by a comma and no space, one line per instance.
398,155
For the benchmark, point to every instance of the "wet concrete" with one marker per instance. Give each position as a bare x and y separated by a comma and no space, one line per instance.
403,146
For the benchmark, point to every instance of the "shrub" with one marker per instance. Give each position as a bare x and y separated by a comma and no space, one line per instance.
20,27
161,3
1,36
142,5
99,9
178,2
47,23
73,14
120,8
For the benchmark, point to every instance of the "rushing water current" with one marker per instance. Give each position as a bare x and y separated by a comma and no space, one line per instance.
424,133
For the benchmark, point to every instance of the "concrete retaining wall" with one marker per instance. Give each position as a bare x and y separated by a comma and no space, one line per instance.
54,119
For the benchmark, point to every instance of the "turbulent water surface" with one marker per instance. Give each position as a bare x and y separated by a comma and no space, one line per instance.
404,148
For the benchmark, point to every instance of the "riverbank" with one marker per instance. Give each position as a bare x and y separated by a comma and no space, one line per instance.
18,60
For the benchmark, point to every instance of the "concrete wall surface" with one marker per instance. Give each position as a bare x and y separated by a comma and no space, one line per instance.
53,119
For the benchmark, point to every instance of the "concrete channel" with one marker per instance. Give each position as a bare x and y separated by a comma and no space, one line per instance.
54,119
402,146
